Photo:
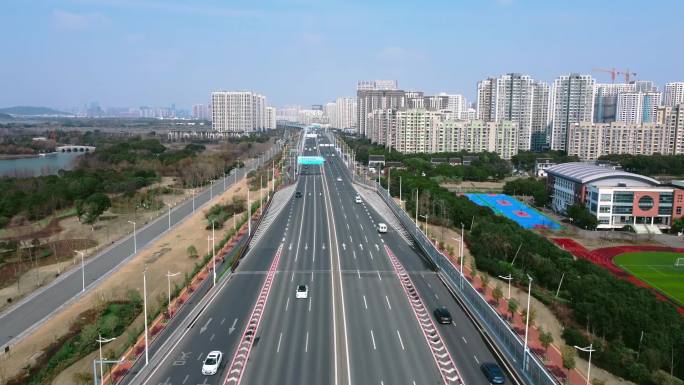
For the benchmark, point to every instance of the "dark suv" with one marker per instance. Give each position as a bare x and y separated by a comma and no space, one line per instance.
442,315
298,194
493,373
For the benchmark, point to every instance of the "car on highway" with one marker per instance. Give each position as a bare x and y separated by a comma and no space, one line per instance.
302,292
442,315
493,373
339,179
357,199
382,228
212,363
298,194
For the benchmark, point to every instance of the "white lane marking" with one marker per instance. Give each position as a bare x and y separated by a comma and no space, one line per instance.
366,238
306,344
430,286
213,335
400,340
371,255
287,304
373,338
476,360
361,226
199,357
312,276
292,278
354,251
348,226
464,340
223,320
364,302
309,304
186,378
279,340
388,303
378,271
358,272
436,296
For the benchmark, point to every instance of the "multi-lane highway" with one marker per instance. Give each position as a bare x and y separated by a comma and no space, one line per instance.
40,305
357,326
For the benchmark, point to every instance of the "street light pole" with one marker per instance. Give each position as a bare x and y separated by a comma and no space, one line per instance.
401,203
249,214
169,226
145,313
589,349
82,270
168,284
417,200
135,239
508,278
101,341
213,251
527,320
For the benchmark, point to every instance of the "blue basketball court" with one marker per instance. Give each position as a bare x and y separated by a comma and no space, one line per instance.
514,210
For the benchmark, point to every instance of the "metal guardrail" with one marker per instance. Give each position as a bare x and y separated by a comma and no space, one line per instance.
511,345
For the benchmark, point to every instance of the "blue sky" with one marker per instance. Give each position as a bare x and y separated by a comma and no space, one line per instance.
64,53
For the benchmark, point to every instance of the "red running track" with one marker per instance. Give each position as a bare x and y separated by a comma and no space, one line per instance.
604,257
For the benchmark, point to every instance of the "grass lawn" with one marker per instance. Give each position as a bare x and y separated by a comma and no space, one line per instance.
657,269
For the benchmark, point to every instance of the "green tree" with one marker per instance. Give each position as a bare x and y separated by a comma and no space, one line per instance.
485,282
533,315
513,307
497,293
546,339
568,358
92,207
581,217
192,251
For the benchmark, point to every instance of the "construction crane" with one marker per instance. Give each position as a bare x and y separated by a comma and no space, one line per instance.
614,73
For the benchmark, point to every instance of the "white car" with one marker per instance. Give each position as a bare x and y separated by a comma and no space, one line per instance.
212,363
302,292
382,228
339,179
357,199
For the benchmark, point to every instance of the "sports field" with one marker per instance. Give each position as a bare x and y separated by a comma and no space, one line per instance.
657,268
514,210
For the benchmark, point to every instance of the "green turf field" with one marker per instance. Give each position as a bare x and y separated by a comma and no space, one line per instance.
657,269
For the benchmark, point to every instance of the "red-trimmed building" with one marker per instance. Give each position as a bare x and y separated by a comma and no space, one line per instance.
617,198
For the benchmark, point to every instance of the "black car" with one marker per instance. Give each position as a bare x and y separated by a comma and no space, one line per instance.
298,194
493,373
443,316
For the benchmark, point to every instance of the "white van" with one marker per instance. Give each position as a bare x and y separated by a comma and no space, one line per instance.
382,228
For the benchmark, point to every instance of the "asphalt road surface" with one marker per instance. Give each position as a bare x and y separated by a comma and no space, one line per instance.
356,326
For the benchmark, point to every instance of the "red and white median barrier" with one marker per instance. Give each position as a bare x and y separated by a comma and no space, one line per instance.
241,355
440,353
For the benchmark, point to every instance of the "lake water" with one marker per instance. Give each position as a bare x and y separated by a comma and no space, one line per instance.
43,165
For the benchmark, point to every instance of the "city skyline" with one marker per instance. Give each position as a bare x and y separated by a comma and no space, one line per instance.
92,44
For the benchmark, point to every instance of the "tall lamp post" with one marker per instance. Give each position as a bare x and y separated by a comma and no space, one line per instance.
145,313
213,252
527,320
169,226
135,239
508,278
589,349
82,254
168,284
101,341
426,216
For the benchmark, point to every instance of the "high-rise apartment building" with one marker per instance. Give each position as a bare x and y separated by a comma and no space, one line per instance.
378,94
345,113
674,93
270,118
637,107
672,118
540,117
511,97
456,104
606,99
238,112
572,101
589,141
477,136
200,112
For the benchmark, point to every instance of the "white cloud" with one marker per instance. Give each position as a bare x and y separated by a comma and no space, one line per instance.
77,21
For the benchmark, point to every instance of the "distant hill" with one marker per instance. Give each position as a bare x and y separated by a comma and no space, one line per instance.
5,116
31,111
